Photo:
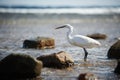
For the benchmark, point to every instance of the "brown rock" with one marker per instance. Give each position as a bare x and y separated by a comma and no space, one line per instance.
117,69
39,43
114,51
19,66
57,60
82,76
97,36
87,76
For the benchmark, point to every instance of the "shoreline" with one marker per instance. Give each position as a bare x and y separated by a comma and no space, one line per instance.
15,28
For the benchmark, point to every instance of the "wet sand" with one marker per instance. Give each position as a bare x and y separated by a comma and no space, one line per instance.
15,28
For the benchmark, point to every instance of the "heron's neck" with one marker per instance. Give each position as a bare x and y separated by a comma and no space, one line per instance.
69,33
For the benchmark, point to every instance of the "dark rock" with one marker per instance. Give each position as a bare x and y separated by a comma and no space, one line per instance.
87,76
117,69
97,36
114,51
19,66
39,43
58,60
30,44
82,76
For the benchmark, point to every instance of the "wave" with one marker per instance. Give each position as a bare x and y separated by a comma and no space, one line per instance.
46,7
61,9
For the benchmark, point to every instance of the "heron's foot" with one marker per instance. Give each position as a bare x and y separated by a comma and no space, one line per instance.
85,57
86,53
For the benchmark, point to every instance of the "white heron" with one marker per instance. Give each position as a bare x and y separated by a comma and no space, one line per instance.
80,40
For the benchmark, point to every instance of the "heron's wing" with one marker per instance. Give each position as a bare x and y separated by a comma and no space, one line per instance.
82,41
77,39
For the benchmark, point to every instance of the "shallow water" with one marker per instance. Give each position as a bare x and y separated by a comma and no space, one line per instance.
15,28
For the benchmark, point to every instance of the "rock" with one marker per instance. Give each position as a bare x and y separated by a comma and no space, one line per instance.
117,69
87,76
30,44
114,51
58,60
19,66
97,36
39,43
117,38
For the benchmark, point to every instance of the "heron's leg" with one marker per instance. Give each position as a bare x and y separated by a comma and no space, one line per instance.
86,53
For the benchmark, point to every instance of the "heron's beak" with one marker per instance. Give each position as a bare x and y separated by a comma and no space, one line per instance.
60,27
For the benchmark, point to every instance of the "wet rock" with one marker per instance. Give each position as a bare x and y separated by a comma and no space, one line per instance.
97,36
117,38
19,66
114,51
39,43
58,60
87,76
117,69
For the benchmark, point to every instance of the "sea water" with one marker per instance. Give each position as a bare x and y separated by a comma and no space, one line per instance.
20,23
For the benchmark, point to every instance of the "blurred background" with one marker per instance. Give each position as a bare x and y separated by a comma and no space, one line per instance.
28,19
63,6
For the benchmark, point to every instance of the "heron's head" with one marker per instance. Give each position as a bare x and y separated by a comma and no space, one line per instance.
64,26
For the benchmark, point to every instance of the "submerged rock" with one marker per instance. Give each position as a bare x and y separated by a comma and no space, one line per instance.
117,69
58,60
19,66
87,76
114,51
39,43
97,36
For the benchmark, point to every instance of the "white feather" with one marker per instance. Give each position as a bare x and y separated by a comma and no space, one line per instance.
83,41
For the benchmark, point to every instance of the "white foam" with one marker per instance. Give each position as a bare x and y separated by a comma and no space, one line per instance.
63,10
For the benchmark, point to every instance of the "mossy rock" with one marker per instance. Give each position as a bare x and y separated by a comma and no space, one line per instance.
19,66
58,60
117,69
114,51
39,43
97,36
87,76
